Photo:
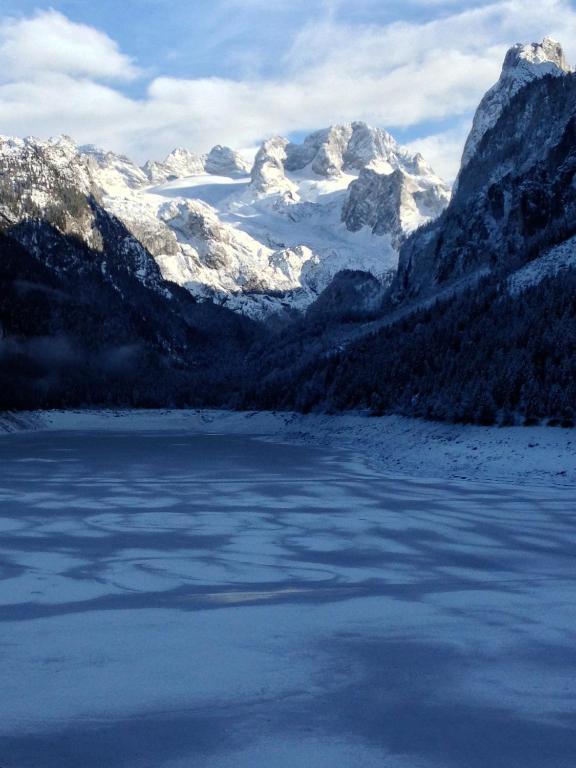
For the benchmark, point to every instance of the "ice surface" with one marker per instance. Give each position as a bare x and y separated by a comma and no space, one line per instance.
175,598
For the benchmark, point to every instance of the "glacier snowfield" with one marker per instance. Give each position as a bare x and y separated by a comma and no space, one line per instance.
170,600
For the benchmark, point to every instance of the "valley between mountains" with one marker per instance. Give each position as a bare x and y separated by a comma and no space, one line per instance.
336,273
287,447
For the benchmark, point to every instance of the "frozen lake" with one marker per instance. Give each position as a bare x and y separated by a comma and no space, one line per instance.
177,601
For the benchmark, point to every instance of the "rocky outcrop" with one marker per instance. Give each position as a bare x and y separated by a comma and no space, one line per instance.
48,181
515,196
112,170
522,65
349,149
178,164
223,161
220,161
323,151
392,204
268,169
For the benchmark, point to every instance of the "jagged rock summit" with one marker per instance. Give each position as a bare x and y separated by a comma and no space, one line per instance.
522,64
268,170
515,195
181,162
260,243
268,242
223,161
331,153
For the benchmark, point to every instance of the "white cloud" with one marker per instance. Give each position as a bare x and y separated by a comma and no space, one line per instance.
443,150
400,74
57,103
49,42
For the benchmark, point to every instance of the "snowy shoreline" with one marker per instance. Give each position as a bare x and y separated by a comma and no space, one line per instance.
391,444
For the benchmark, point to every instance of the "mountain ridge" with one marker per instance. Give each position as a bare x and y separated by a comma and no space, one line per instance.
523,63
307,242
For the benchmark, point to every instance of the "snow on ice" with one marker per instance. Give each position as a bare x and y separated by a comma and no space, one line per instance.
189,588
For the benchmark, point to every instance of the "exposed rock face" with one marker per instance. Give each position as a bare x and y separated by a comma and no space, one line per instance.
112,169
220,161
48,181
323,151
370,146
393,204
179,163
522,65
156,173
268,170
223,161
375,201
348,149
262,244
515,196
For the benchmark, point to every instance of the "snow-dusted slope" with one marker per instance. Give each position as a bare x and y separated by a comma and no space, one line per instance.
181,162
515,196
523,63
275,239
551,264
260,242
50,203
48,181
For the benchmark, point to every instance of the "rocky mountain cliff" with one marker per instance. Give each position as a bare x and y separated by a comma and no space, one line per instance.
181,162
110,280
522,65
479,324
515,195
262,240
85,313
272,241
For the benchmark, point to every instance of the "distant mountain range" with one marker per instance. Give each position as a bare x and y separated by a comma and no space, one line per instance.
335,273
260,239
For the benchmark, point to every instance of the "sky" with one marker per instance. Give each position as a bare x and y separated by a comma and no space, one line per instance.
142,77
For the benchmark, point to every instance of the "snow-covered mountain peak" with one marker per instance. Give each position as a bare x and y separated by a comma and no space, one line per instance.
63,143
546,57
337,152
370,147
522,64
267,242
223,161
344,149
181,155
111,172
344,198
268,175
322,151
181,162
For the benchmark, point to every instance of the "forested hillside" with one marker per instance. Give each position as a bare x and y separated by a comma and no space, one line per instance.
485,356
